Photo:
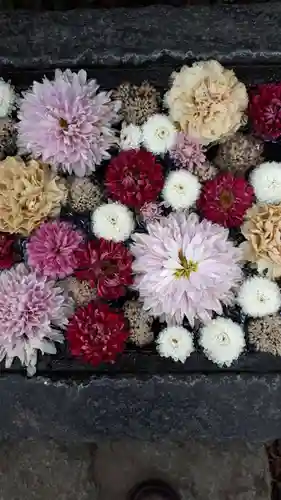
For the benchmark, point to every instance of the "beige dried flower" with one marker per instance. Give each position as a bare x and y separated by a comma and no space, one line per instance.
239,153
84,195
28,194
206,171
265,334
140,323
262,230
80,291
8,137
138,102
207,101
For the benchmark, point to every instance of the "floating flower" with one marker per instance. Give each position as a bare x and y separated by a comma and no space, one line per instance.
225,200
130,137
84,195
80,291
97,333
7,98
51,249
187,152
112,221
158,134
140,323
207,101
259,297
266,181
264,334
28,194
137,102
151,212
134,178
175,342
262,230
222,340
8,137
31,311
181,189
7,253
239,153
185,267
106,265
67,123
265,110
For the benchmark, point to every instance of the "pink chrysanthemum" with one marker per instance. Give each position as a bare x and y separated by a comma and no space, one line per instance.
30,309
51,250
67,123
151,212
185,268
187,152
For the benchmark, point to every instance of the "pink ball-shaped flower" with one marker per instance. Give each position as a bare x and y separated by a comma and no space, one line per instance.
51,250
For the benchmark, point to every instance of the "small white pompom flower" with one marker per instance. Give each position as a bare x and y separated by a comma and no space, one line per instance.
222,341
112,221
175,342
181,189
130,137
158,134
266,181
259,297
7,98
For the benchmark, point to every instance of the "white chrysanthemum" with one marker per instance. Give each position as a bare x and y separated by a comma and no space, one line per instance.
130,137
259,297
7,98
181,189
266,181
222,341
158,134
175,342
112,221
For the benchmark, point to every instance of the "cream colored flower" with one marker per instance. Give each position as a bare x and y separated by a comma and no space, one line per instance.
28,194
207,101
262,230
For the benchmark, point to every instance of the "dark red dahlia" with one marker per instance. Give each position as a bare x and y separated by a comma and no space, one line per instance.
97,333
225,199
106,265
134,178
7,254
265,110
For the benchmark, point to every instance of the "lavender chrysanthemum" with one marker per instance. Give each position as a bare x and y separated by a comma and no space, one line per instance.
67,123
185,267
30,309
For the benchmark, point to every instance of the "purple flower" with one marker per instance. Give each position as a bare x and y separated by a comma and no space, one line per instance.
187,152
185,268
67,123
30,309
151,212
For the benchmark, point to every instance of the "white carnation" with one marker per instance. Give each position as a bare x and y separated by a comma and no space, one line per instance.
158,134
222,341
7,98
112,221
181,189
266,181
175,342
130,137
259,297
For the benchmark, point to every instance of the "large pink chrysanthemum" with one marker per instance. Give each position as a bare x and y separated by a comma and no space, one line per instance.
66,123
185,268
30,309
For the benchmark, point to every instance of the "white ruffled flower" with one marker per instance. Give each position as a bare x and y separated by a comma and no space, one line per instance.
7,98
158,134
181,189
266,181
222,341
112,221
175,342
259,297
130,137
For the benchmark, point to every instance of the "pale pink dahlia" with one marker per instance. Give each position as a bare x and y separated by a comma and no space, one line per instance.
31,308
51,249
66,123
185,267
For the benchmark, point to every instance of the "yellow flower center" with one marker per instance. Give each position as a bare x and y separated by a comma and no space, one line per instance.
187,267
226,199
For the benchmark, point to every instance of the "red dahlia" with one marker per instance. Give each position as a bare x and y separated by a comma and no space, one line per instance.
106,265
7,254
225,199
265,110
134,178
97,333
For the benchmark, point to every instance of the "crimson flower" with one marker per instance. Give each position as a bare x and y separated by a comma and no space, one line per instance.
7,255
225,199
97,333
265,110
106,265
134,178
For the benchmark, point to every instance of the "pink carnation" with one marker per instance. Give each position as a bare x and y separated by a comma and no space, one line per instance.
187,152
51,250
185,267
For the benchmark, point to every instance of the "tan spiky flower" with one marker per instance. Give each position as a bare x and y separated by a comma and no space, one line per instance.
138,102
265,334
84,194
80,291
239,153
140,323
